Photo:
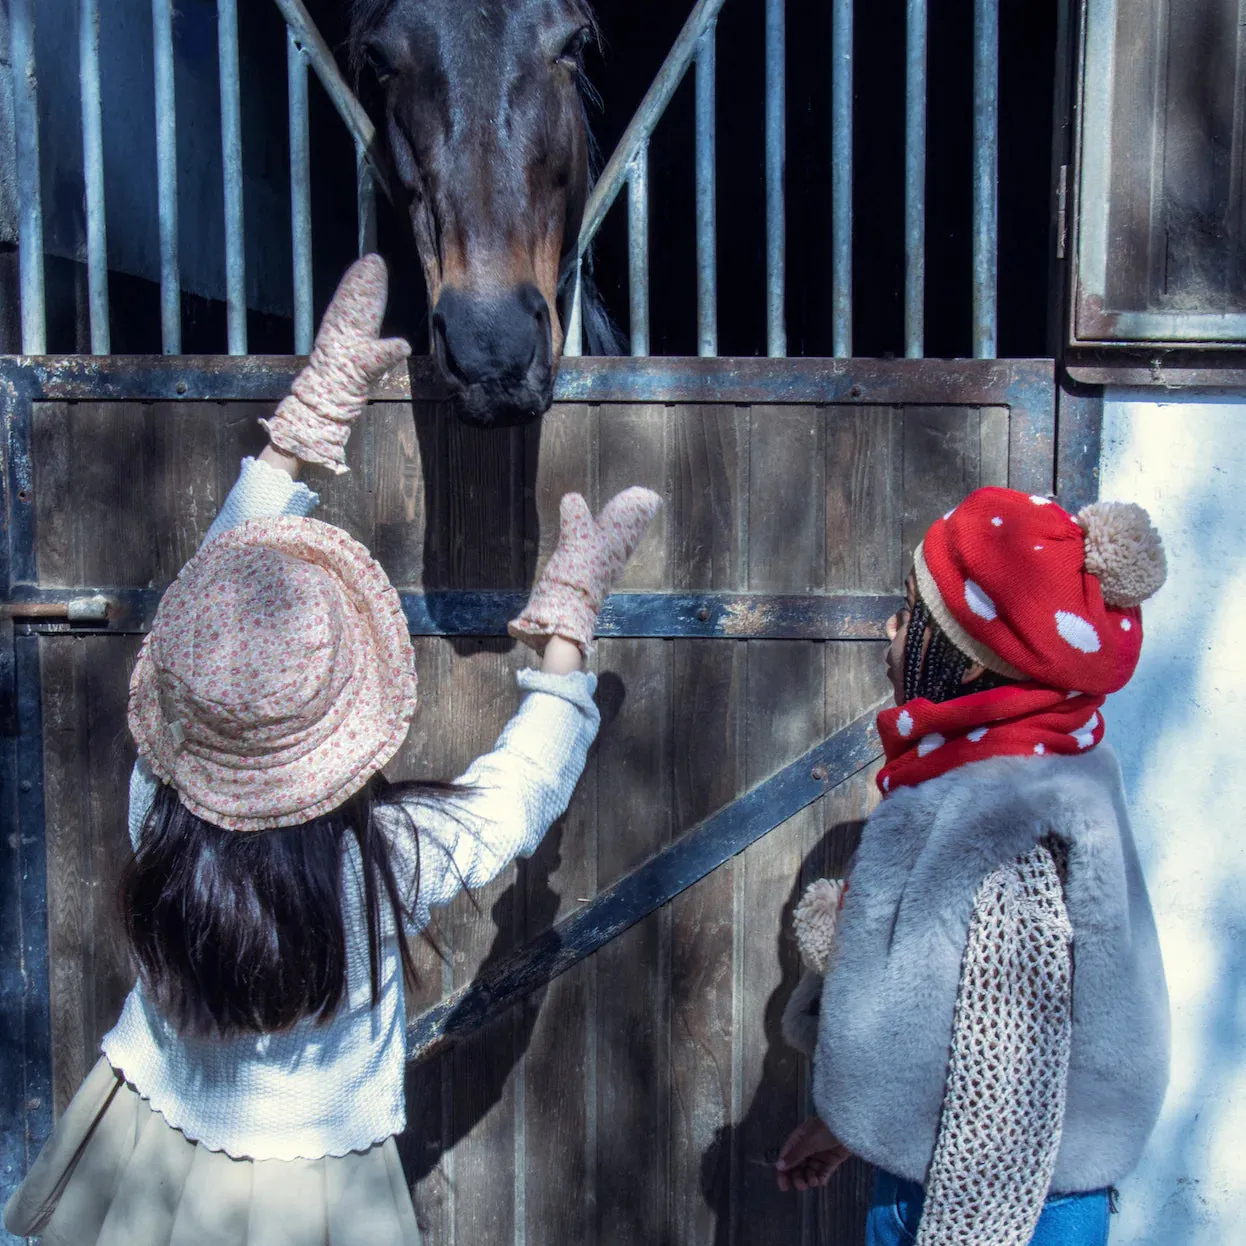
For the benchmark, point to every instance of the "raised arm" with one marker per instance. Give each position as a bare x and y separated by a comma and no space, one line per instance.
512,795
1003,1107
508,798
311,425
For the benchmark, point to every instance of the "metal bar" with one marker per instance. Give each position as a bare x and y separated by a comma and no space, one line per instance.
365,200
300,193
24,998
819,381
915,181
985,174
670,616
693,856
166,177
776,158
573,341
321,59
93,174
618,167
638,251
707,222
231,162
841,179
29,197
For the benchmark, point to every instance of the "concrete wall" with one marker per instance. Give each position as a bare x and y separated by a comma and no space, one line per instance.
1178,730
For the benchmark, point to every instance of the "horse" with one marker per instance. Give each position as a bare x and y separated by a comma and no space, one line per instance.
486,129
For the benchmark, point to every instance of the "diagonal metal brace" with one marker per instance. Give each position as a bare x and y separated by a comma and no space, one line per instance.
698,852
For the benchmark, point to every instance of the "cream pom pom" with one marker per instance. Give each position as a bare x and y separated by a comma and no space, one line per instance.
1123,551
814,922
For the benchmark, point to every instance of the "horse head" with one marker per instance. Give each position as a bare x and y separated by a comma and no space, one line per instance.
487,135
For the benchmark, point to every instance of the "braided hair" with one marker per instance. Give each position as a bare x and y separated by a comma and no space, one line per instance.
937,674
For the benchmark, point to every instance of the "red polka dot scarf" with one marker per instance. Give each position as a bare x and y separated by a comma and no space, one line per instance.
923,739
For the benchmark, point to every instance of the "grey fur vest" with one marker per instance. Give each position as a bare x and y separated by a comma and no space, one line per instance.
887,1004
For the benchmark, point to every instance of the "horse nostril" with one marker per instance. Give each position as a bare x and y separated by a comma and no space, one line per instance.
441,348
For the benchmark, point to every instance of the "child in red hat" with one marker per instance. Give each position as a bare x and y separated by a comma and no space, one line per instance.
992,1025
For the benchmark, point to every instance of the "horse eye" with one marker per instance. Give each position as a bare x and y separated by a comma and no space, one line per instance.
379,62
573,49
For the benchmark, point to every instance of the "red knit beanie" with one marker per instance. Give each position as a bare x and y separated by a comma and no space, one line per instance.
1030,592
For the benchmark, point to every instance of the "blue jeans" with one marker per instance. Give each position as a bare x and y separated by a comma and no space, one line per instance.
1067,1219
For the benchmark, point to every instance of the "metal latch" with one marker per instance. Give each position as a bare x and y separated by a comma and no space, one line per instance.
76,610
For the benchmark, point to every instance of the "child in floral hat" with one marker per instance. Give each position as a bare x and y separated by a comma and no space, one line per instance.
252,1087
992,1027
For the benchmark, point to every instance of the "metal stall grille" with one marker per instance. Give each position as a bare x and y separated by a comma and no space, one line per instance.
627,167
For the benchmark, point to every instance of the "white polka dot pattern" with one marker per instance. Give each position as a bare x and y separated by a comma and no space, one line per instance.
904,724
979,602
1078,632
927,744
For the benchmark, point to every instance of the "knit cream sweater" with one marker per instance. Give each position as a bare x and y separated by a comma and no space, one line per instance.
332,1088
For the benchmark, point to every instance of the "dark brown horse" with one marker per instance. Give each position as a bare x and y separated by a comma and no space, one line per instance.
486,131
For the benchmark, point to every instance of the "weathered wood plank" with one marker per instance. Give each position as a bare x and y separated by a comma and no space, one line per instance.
395,470
634,821
487,926
782,720
709,772
864,480
942,453
787,500
52,455
709,503
426,1146
87,760
560,1099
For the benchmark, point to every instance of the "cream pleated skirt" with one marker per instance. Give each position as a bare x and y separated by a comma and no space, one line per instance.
115,1173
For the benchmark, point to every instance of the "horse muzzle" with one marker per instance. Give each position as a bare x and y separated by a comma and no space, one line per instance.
497,352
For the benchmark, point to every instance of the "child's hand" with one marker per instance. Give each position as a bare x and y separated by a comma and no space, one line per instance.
809,1156
314,421
589,558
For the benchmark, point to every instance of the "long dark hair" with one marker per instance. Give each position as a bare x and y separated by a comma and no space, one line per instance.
243,933
936,674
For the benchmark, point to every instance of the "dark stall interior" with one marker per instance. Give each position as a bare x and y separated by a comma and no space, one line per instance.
637,34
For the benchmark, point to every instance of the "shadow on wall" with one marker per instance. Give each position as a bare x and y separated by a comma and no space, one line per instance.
1176,730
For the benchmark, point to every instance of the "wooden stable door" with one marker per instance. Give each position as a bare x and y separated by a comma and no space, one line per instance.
641,1096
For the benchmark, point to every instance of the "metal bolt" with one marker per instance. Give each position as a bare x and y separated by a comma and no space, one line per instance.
180,387
855,391
819,774
26,785
703,614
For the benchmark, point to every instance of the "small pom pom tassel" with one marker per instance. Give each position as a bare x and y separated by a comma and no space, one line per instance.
1123,551
814,921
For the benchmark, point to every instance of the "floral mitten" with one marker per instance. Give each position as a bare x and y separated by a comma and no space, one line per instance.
314,420
589,558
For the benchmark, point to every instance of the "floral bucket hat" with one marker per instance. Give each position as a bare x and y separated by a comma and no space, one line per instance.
277,678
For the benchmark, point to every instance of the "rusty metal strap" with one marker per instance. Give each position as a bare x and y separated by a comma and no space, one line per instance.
466,612
698,852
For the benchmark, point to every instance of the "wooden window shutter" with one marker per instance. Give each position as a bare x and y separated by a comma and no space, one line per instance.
1160,249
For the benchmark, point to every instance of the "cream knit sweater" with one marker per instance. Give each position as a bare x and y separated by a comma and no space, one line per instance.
330,1089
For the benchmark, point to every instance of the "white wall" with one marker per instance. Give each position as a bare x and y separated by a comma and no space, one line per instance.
1178,729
